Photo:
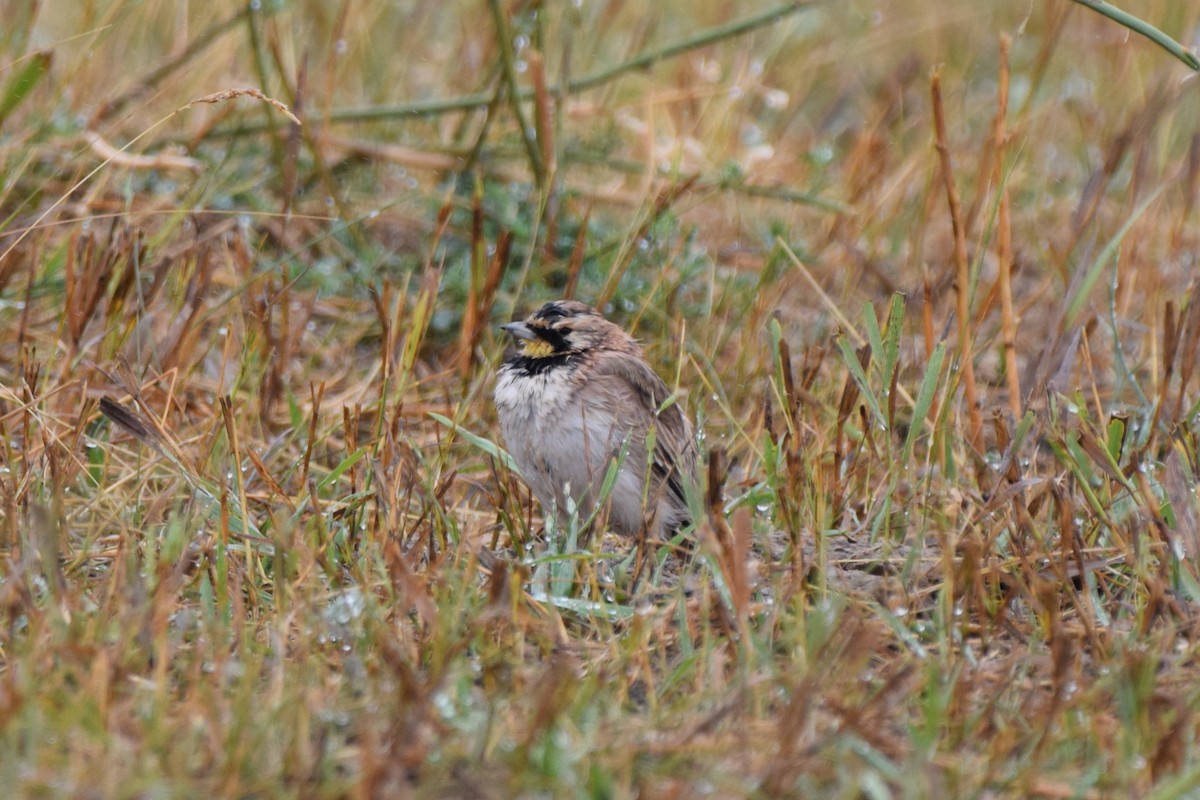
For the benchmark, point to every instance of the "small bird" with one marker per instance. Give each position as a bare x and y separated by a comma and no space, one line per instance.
578,396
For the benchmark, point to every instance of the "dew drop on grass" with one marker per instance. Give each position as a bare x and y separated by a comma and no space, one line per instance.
373,213
822,154
443,703
776,99
345,607
752,135
340,47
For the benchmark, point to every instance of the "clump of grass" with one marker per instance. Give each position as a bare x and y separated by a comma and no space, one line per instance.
940,337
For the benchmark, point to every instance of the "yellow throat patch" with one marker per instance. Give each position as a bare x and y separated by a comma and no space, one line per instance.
536,348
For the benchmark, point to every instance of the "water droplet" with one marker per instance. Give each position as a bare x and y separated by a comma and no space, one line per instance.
776,99
346,606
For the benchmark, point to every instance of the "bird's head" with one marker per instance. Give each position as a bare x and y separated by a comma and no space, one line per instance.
565,327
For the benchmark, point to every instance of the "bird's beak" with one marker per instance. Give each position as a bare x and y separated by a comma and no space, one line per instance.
519,330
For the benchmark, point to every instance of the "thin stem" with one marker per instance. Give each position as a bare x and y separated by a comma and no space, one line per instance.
962,277
1144,28
1004,240
508,62
433,108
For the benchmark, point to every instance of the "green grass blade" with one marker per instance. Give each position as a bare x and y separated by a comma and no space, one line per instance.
929,384
1109,251
21,84
486,445
1144,28
860,377
348,462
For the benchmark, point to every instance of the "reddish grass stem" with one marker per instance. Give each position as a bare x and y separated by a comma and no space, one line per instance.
962,275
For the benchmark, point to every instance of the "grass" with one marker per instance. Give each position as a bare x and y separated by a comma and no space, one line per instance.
258,536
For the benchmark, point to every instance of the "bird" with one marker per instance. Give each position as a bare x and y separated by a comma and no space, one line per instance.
576,397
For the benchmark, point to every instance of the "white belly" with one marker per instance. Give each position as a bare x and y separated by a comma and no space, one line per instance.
564,448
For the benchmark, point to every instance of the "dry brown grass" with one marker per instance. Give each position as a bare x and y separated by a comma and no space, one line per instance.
257,537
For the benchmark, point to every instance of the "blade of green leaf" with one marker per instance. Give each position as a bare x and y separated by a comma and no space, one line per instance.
348,462
21,84
929,384
486,445
860,377
1145,29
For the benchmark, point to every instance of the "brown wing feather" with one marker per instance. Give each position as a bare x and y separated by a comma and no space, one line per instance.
674,447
